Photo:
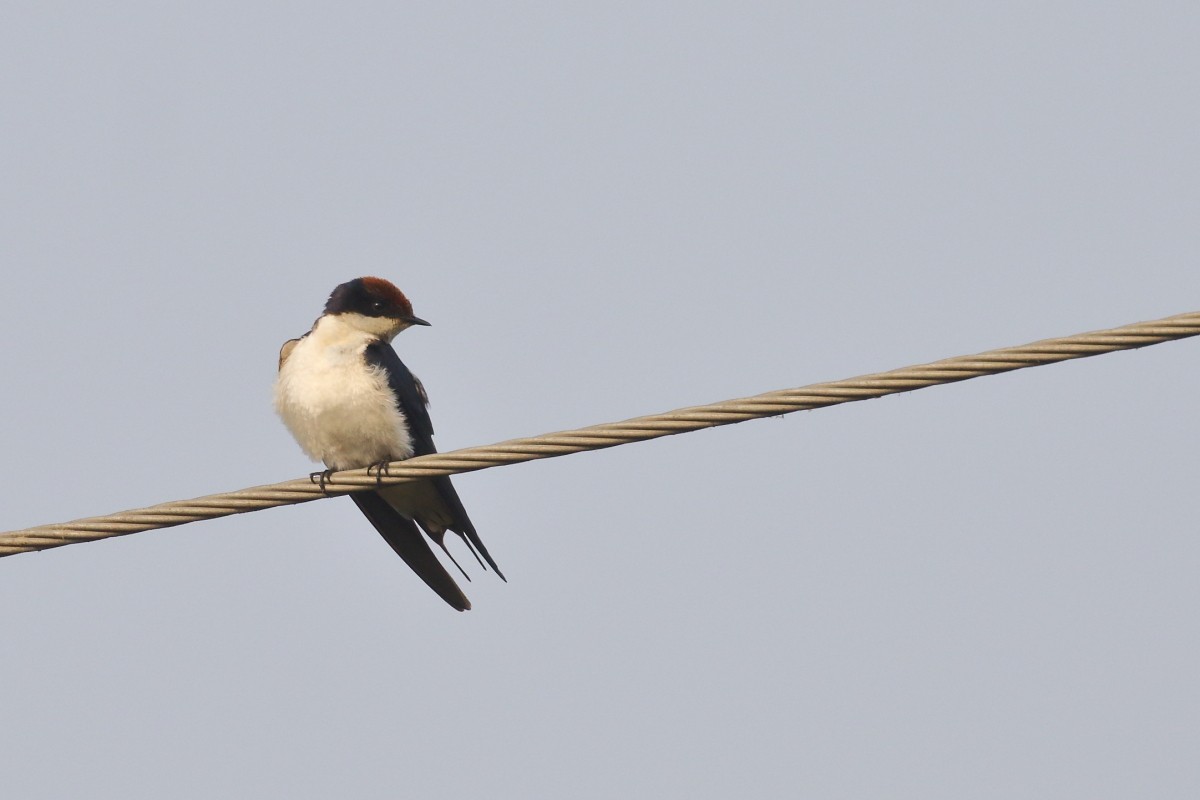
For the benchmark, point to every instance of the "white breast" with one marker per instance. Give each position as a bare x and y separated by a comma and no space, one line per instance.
339,409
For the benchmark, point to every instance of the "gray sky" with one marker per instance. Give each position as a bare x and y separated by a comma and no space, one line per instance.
605,210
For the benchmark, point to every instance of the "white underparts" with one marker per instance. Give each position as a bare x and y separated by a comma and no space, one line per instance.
341,410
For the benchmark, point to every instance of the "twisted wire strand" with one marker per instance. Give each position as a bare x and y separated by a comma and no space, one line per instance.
595,437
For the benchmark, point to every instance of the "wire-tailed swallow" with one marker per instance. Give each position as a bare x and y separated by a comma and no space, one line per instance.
350,402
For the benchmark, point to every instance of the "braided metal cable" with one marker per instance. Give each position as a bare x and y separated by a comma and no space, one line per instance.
819,395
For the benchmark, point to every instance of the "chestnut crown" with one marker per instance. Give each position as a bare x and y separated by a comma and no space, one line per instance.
372,297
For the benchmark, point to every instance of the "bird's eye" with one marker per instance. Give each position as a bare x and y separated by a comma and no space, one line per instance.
377,305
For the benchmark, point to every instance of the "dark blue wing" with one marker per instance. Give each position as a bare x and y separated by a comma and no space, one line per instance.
410,396
411,546
411,399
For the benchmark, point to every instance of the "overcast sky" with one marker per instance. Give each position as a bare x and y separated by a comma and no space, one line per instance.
981,590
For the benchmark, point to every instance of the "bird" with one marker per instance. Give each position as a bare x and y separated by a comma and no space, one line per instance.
350,402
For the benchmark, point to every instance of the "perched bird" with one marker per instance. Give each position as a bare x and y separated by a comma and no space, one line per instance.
350,402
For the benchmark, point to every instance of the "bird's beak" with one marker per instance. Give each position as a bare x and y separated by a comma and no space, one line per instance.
414,320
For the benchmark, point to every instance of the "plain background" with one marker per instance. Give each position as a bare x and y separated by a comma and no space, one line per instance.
605,210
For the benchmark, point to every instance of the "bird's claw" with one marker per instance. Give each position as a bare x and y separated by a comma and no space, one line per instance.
321,478
381,469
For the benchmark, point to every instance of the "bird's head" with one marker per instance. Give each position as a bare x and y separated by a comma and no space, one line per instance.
373,305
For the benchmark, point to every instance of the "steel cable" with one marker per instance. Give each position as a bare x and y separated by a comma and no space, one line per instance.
595,437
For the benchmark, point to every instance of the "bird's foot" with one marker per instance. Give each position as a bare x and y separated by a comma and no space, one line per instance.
381,469
321,478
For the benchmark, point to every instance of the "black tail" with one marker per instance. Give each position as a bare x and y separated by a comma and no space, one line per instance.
462,523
